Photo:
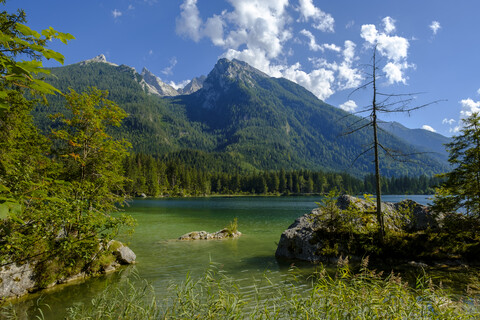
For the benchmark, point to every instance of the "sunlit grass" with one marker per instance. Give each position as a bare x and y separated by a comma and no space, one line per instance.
345,295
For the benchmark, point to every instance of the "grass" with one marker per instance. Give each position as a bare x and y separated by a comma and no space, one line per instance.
363,295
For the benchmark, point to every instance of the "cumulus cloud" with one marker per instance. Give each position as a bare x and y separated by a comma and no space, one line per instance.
394,48
257,32
179,85
116,13
428,128
448,121
478,91
349,106
435,26
189,22
389,25
321,20
316,47
468,107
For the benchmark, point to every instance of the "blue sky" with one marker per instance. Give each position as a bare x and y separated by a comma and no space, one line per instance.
425,46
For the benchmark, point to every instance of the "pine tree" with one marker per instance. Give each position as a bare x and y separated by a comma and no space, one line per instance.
462,186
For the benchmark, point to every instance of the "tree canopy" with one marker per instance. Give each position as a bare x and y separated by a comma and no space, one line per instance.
461,189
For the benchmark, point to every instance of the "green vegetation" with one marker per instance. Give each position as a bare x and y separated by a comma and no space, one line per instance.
267,126
347,295
195,173
461,190
56,192
232,227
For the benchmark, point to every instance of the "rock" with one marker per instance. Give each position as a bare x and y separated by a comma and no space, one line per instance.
16,280
418,264
125,255
203,235
309,238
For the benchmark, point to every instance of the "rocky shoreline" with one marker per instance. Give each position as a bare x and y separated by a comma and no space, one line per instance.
18,280
417,235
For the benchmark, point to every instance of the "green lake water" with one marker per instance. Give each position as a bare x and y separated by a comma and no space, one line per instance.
163,260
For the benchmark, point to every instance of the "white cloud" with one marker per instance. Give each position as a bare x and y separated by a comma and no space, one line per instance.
131,7
322,21
478,91
214,30
428,128
394,48
258,32
316,47
189,22
350,24
116,13
179,85
150,52
168,70
389,24
468,107
435,26
349,106
448,121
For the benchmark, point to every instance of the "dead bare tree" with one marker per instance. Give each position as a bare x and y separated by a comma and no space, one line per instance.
381,103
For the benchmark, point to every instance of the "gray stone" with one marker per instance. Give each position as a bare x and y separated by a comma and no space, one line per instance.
204,235
125,255
16,280
304,239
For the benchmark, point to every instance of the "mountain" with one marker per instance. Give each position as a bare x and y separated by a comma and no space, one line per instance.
240,115
161,87
194,85
425,140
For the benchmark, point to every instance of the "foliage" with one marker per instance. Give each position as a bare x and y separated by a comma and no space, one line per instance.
232,227
461,189
365,295
195,173
55,203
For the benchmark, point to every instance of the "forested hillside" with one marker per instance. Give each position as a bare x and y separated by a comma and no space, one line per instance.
241,120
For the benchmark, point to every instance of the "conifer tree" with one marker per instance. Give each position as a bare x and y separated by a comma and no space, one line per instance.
462,186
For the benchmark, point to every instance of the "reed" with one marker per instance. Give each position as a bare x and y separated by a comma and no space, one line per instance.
345,295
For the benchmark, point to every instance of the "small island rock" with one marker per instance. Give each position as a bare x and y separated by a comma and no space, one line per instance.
203,235
305,238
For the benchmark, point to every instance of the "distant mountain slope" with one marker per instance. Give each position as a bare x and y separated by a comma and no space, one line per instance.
256,121
425,140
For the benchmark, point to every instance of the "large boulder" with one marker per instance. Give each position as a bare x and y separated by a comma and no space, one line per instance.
16,280
125,255
310,237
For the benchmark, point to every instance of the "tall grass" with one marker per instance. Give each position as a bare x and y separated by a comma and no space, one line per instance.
363,295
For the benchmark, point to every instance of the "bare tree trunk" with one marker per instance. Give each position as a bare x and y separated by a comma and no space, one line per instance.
381,231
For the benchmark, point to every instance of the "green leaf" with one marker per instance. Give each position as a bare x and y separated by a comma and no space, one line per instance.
43,87
27,31
50,54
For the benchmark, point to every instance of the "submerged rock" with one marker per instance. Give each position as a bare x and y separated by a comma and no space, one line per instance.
203,235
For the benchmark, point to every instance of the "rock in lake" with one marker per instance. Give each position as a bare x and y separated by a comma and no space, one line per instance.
310,237
203,235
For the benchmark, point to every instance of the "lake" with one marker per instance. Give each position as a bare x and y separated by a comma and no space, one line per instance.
163,260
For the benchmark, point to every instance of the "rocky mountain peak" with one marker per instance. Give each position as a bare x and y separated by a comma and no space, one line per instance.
98,59
236,69
194,85
155,82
